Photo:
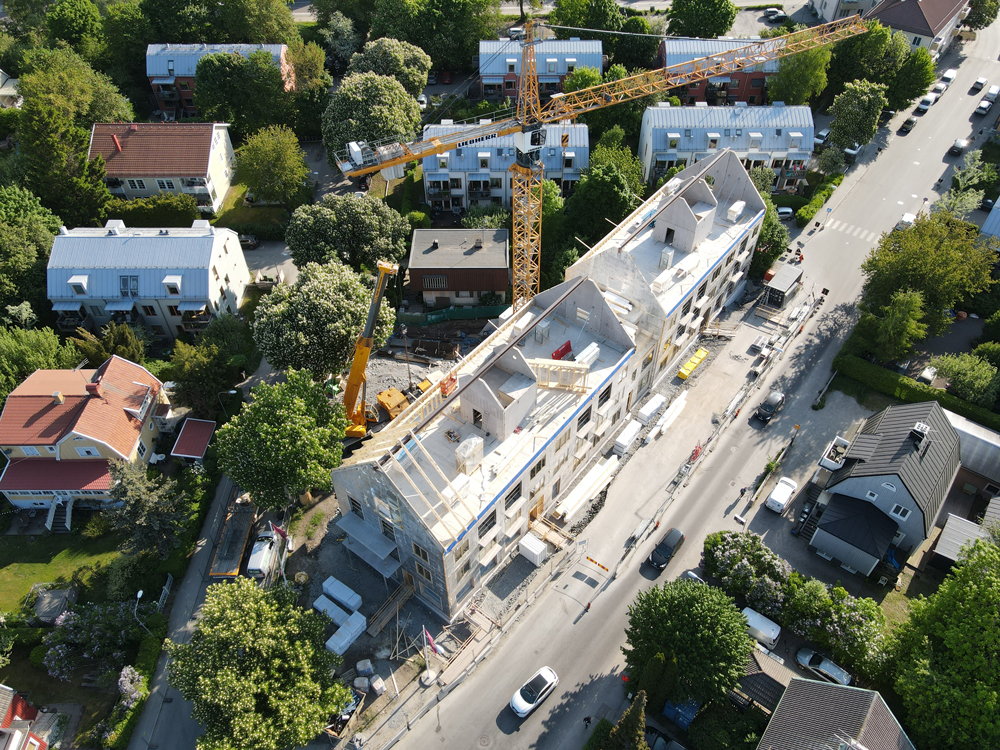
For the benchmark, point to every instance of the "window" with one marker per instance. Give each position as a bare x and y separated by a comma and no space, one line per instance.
424,573
560,441
753,100
916,41
442,164
757,83
777,131
89,452
216,272
484,163
165,184
513,496
465,569
692,87
551,64
568,162
495,183
584,418
900,512
537,468
174,311
604,397
29,450
455,183
173,290
715,275
687,133
673,143
387,530
713,142
464,295
149,311
510,67
435,282
509,85
487,524
422,554
78,289
356,508
185,87
50,449
889,486
141,450
461,550
137,184
96,310
129,286
871,495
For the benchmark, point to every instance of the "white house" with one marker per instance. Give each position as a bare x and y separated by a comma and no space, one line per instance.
172,280
931,24
500,64
831,10
144,158
477,173
773,136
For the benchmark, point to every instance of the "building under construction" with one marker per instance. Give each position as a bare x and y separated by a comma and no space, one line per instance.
439,498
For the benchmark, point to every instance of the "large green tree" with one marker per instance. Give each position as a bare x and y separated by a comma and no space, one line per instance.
272,165
247,92
78,23
946,653
256,671
115,339
939,256
637,52
912,80
127,32
875,56
704,19
969,377
368,107
800,77
900,325
696,625
256,22
182,21
982,13
630,731
286,441
359,12
855,113
148,514
340,40
22,351
315,323
356,230
26,233
603,195
405,62
612,151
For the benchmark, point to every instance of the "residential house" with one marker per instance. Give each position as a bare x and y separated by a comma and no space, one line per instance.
831,10
931,24
143,159
992,224
10,96
171,71
500,64
888,488
814,714
763,682
60,428
671,265
980,451
745,85
457,266
23,726
171,280
773,136
478,172
444,494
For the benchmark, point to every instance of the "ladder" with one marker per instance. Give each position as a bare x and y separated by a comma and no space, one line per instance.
388,610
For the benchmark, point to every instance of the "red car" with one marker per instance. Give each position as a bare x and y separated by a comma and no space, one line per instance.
446,77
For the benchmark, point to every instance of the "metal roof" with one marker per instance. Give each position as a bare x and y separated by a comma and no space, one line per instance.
493,55
733,126
185,57
787,277
764,680
859,523
863,447
992,515
551,153
676,50
992,224
927,471
927,17
980,446
958,532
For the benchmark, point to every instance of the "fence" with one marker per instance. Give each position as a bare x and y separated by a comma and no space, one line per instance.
450,313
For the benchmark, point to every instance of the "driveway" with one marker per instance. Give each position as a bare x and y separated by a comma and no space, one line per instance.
272,258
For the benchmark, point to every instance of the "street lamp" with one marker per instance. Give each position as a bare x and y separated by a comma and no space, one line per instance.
219,396
135,612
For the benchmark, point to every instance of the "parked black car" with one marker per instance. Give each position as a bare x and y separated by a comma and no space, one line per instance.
666,549
249,241
770,406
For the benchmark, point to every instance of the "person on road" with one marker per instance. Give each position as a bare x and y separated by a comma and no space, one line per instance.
586,722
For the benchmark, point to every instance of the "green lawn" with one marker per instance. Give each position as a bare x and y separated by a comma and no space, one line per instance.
47,559
865,396
234,212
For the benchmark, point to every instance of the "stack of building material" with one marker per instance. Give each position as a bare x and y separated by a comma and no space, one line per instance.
346,634
331,610
626,439
341,594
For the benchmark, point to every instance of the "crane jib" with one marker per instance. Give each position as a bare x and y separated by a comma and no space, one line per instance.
480,139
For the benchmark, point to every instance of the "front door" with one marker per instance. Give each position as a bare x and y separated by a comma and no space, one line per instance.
536,509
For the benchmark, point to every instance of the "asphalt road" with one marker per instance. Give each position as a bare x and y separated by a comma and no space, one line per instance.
584,647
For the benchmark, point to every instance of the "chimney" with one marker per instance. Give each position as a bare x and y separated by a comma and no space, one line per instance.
118,144
58,398
94,389
134,127
63,230
478,244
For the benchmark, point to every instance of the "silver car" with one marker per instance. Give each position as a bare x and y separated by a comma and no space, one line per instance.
822,667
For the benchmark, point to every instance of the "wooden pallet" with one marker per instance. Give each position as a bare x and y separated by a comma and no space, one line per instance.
388,610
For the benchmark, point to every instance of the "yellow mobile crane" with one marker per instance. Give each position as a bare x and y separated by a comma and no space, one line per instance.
356,381
362,157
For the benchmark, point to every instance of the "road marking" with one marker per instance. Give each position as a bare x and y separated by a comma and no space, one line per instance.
835,224
856,231
849,229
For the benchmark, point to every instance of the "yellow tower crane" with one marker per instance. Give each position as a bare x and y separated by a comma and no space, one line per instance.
527,125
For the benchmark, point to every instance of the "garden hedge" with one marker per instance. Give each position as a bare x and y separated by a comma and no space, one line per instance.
263,232
821,195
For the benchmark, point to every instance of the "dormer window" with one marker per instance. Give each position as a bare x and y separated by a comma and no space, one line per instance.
674,140
795,139
570,64
756,139
484,160
510,64
78,284
443,163
713,140
172,284
170,67
129,286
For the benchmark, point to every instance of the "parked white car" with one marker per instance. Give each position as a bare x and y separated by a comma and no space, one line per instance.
927,102
781,495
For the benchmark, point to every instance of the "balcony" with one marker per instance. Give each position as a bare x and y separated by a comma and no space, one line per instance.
168,96
69,322
195,322
794,172
479,195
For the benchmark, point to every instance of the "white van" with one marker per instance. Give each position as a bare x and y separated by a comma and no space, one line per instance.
992,93
949,76
766,632
262,555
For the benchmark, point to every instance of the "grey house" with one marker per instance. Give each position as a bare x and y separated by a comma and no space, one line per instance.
889,487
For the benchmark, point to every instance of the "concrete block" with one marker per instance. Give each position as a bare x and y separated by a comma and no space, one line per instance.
365,668
378,685
362,684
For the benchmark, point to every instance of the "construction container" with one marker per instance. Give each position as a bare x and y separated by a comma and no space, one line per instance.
647,412
627,437
533,549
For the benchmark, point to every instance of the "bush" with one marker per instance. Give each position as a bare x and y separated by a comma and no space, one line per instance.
820,196
37,656
599,735
789,201
6,519
263,232
98,526
127,574
418,220
27,636
163,210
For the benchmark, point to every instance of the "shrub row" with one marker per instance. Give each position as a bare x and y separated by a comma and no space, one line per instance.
820,196
163,210
28,636
264,232
789,201
909,390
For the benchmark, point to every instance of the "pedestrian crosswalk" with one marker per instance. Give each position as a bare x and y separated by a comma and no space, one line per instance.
854,231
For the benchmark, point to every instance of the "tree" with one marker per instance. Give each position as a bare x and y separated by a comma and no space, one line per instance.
899,327
309,63
96,636
602,195
912,80
875,56
149,515
160,210
974,173
403,61
658,680
800,77
556,256
971,378
959,203
630,731
748,569
284,442
26,232
256,670
340,41
199,378
315,323
982,13
358,231
944,655
359,12
272,165
256,22
247,92
831,161
117,339
22,351
78,23
939,256
696,625
368,107
855,113
700,18
637,51
807,609
611,151
492,216
182,21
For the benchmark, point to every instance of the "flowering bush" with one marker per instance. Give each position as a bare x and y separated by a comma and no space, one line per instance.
92,635
131,685
748,570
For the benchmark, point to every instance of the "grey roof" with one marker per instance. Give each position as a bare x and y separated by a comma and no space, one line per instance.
785,278
493,55
814,715
859,523
863,447
992,515
736,127
926,472
957,532
6,698
926,17
51,603
185,57
678,50
992,224
765,679
457,248
980,446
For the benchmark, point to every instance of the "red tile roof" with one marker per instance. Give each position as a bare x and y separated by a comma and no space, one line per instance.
19,709
32,416
194,438
153,149
924,17
49,474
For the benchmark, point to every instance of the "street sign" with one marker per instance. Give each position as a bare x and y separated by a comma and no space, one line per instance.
829,210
